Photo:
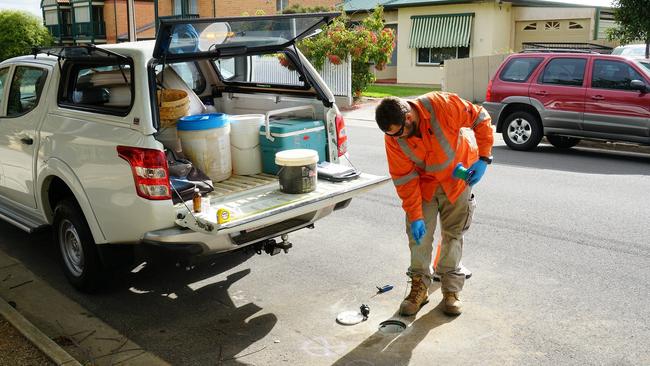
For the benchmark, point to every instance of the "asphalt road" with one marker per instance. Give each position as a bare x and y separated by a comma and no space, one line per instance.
559,248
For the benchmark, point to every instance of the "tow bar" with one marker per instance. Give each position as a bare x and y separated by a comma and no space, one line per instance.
272,247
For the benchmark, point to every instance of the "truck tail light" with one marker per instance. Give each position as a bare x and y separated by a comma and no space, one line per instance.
341,135
488,92
150,172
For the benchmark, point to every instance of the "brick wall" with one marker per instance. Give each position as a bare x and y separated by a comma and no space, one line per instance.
144,12
144,15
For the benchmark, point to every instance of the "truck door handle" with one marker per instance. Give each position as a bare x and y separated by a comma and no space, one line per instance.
597,97
541,92
27,140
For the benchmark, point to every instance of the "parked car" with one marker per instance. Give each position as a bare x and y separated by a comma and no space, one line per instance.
80,141
570,96
630,50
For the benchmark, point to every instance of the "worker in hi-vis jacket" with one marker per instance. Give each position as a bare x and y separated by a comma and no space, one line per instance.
424,143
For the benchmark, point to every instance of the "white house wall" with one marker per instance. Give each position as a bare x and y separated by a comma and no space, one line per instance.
491,34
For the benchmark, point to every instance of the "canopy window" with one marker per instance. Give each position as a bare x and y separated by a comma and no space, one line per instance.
438,31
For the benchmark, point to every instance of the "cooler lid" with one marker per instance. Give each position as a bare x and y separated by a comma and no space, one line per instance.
284,126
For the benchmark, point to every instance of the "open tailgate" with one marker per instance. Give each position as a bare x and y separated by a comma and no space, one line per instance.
254,208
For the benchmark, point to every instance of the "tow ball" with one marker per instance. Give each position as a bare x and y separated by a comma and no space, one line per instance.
272,247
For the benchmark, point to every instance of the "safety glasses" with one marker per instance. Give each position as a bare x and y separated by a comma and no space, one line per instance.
398,133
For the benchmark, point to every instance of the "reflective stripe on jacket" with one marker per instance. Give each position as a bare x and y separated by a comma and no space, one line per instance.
419,164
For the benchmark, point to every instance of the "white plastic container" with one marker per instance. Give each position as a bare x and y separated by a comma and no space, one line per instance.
245,143
205,140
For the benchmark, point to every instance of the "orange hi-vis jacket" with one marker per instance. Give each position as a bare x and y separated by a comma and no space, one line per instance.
418,165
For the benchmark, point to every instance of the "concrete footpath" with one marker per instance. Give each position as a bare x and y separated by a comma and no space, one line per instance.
59,327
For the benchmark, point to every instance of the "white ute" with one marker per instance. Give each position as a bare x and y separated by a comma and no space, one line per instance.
80,142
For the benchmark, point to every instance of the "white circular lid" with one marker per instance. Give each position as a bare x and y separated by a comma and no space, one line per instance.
296,157
349,317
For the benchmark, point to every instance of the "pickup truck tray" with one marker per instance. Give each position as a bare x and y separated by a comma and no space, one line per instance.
254,201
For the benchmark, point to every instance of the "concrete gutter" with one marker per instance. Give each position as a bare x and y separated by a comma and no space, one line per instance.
52,350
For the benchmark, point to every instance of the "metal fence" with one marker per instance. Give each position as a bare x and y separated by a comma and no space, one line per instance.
337,77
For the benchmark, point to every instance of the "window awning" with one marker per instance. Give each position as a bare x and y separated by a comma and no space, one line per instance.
449,30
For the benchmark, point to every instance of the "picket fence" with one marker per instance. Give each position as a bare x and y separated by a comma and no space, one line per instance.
337,77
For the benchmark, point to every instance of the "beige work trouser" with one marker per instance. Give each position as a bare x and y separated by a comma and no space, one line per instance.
455,219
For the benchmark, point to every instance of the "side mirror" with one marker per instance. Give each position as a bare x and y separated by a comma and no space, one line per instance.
639,85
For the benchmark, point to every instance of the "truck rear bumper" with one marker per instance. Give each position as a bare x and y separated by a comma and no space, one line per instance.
200,243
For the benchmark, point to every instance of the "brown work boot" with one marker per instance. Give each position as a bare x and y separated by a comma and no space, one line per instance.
416,299
451,304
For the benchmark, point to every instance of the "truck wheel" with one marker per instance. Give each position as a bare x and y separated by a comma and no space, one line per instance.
562,142
78,251
522,131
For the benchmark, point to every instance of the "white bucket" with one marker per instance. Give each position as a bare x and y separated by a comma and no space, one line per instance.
246,161
245,143
205,140
245,130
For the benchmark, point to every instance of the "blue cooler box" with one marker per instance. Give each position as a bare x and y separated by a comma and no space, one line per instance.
291,133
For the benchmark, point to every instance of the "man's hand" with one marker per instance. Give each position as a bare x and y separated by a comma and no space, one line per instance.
418,230
479,169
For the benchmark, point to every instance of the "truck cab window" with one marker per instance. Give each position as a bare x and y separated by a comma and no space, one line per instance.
25,90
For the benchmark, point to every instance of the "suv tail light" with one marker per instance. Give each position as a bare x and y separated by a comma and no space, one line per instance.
341,135
150,172
488,92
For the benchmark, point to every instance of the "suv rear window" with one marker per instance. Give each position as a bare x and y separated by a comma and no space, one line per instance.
518,70
564,71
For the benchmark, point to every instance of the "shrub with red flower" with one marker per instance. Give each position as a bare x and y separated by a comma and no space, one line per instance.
366,44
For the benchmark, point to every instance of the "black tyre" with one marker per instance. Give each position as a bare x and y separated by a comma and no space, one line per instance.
78,251
522,131
563,142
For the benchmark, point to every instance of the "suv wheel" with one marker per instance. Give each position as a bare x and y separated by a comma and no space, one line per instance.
78,251
522,131
562,142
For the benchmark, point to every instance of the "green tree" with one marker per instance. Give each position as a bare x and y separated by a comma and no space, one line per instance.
633,17
20,32
367,43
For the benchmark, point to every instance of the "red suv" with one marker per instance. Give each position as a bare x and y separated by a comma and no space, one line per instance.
570,96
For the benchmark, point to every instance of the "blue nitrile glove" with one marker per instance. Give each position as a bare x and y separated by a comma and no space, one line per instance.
418,230
479,169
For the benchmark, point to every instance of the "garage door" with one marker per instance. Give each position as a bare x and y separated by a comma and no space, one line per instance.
574,30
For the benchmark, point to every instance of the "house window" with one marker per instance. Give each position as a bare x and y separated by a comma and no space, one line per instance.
552,26
393,56
436,56
530,27
574,25
183,7
281,4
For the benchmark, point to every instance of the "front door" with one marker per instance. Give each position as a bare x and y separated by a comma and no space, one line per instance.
19,117
560,93
612,106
